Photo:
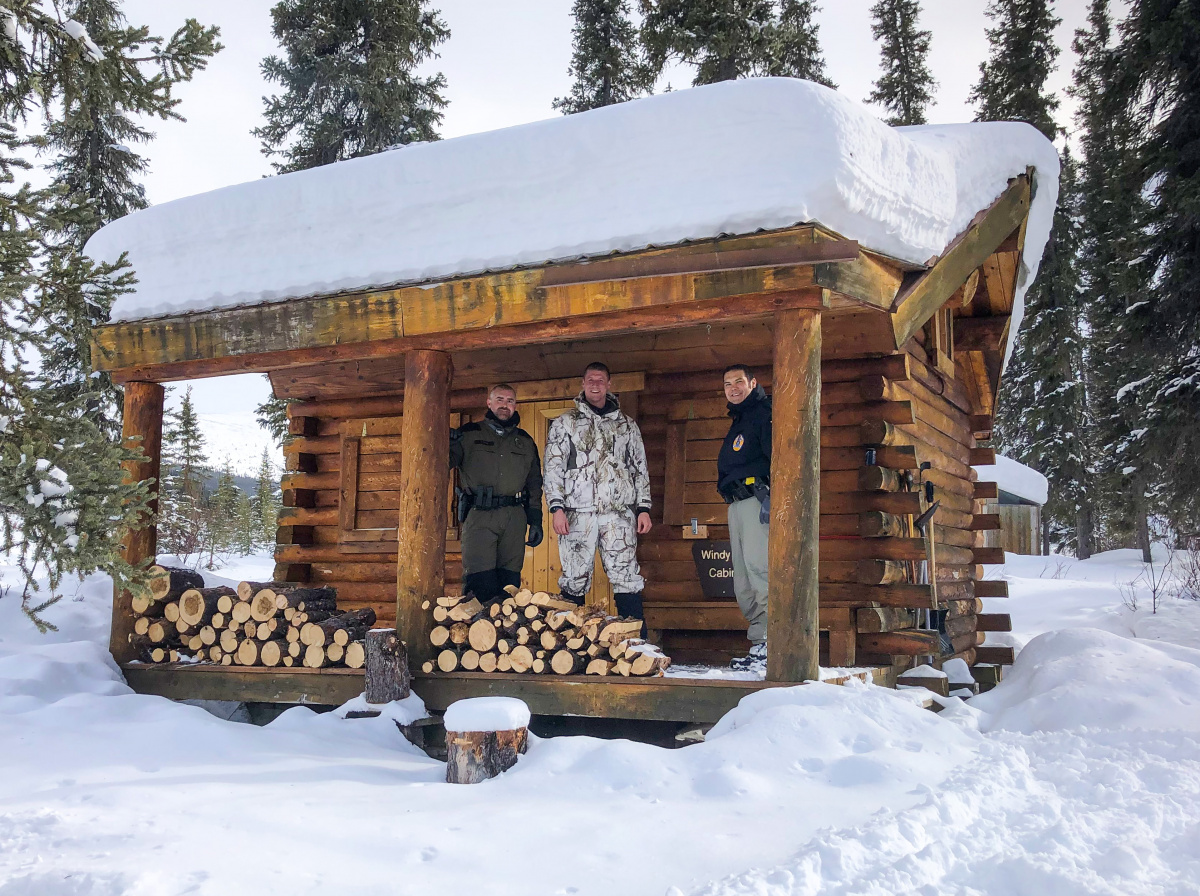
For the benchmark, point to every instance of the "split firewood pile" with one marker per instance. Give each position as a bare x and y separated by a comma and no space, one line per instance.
540,634
256,624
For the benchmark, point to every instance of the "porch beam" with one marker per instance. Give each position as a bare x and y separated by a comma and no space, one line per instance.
792,619
141,429
424,479
198,347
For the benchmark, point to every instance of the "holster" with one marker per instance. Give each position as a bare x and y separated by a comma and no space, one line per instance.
465,500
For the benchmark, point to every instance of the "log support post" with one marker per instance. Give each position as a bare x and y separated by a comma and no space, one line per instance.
424,479
141,430
792,623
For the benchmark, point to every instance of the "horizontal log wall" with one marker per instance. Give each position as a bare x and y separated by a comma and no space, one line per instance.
898,404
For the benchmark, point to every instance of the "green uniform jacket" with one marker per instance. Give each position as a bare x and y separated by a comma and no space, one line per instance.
503,457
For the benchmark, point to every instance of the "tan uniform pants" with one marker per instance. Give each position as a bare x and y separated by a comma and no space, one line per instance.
748,539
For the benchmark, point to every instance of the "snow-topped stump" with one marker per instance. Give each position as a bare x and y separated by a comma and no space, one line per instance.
484,737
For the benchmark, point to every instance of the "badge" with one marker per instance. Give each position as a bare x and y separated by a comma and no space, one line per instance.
739,442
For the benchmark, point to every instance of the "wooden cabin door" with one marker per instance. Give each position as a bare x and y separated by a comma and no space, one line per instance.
542,567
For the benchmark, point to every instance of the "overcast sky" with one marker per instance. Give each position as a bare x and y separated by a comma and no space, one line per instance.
505,62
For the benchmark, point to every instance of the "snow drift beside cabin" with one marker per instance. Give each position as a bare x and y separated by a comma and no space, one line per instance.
729,158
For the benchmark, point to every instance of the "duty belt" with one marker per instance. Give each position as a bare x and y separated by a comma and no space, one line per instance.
741,489
484,499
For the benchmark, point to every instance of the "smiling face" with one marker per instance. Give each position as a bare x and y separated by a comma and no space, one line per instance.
738,385
595,387
502,403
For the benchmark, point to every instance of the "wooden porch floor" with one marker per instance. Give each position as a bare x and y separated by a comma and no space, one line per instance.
695,700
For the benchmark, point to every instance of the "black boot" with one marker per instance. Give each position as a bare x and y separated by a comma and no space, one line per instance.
483,585
506,577
576,599
631,604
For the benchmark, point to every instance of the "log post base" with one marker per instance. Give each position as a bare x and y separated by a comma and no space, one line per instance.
387,673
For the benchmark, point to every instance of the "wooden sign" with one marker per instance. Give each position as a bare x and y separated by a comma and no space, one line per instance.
714,566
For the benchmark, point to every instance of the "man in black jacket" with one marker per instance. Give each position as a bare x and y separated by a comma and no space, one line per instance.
744,479
500,480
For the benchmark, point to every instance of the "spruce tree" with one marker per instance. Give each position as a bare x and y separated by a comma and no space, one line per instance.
723,39
265,503
1111,279
606,63
181,501
905,87
65,505
728,39
110,85
247,530
1022,55
349,79
1160,65
221,516
272,416
1042,415
794,49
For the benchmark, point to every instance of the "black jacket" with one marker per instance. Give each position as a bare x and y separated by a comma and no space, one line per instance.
747,447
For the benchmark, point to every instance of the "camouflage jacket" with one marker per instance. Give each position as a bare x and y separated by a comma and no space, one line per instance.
595,461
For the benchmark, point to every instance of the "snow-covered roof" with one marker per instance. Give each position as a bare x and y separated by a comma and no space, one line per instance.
729,158
1016,479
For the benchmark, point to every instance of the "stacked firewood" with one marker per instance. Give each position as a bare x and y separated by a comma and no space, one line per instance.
256,624
540,634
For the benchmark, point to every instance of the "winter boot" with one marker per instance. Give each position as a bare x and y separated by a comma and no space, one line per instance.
483,585
576,599
630,604
755,661
506,577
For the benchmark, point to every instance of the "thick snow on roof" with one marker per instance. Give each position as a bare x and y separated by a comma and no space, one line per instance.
728,158
1016,479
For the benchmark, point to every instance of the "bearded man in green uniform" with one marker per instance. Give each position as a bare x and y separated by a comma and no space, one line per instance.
499,495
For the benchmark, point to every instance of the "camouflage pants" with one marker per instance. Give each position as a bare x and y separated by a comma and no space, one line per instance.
616,536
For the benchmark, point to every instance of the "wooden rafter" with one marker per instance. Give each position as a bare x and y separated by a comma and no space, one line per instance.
919,300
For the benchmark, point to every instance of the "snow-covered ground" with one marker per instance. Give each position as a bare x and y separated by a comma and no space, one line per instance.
1079,774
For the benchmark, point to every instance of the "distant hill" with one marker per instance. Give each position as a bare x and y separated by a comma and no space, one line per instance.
239,438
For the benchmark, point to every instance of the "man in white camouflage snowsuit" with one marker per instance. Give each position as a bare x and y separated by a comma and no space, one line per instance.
598,490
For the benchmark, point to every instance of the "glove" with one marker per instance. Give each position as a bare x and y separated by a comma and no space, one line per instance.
535,536
764,502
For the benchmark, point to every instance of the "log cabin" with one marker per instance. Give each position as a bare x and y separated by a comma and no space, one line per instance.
871,277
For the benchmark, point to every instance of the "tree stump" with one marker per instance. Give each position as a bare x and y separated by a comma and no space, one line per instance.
484,737
387,675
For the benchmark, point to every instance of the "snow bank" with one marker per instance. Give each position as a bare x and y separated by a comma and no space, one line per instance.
486,714
1050,783
1079,678
728,158
1016,479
